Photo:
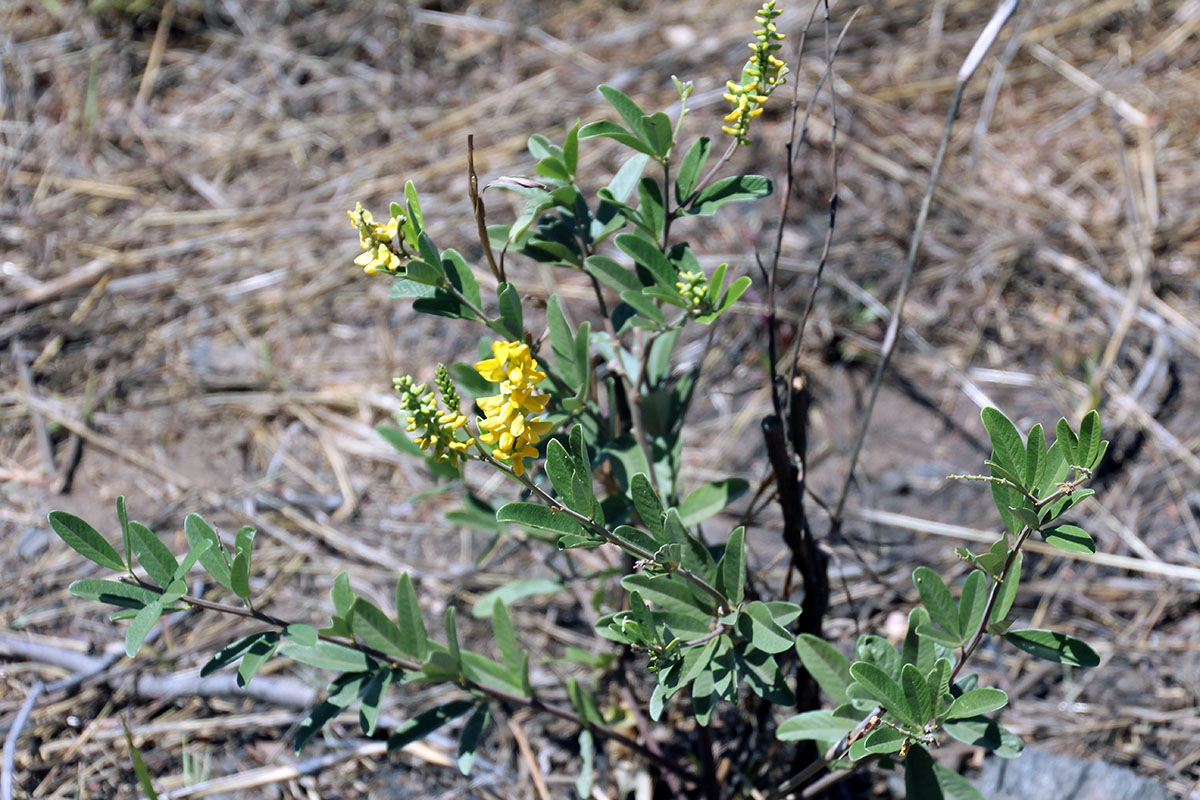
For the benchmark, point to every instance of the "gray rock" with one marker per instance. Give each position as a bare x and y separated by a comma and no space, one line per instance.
1039,775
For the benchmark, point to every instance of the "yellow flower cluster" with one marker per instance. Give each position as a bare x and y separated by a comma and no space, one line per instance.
376,239
440,428
512,423
694,288
761,75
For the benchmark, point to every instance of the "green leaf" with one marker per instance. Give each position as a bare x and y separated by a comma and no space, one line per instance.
937,600
1006,440
511,322
611,130
648,504
884,740
571,149
513,592
372,696
587,754
562,341
1008,591
884,690
1064,504
1006,497
85,540
258,653
668,591
197,530
539,516
644,305
113,593
341,595
468,740
123,518
403,287
731,575
1027,516
1070,538
736,290
728,190
656,128
757,624
880,652
140,627
629,110
976,702
972,602
452,637
938,635
342,692
232,652
917,650
783,612
506,635
244,541
1053,646
376,630
408,616
612,274
425,272
561,469
416,220
154,556
690,169
710,499
1035,456
646,254
651,209
427,722
1087,453
326,655
925,779
459,273
301,633
916,691
814,726
1055,470
1067,440
139,764
627,177
828,667
986,733
761,673
239,575
635,539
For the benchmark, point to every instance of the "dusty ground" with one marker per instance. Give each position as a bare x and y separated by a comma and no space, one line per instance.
175,260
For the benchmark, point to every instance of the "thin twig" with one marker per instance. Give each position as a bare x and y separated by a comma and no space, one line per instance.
480,211
970,64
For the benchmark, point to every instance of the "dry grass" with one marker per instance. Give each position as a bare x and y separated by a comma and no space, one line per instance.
174,255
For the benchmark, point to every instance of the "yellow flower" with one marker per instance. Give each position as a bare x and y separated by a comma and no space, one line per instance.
377,240
511,420
761,75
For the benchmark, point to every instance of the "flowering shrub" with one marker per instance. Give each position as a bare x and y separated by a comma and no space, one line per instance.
555,404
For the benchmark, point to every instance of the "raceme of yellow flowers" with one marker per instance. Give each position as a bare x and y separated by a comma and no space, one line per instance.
761,75
513,423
